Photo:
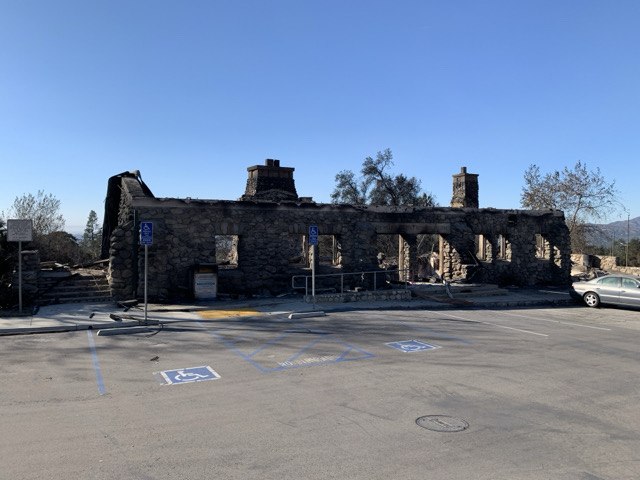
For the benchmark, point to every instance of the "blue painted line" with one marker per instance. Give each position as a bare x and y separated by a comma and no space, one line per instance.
303,350
325,336
96,365
332,338
284,335
250,334
230,346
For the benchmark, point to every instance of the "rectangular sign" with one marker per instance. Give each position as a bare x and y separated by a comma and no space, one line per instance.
313,235
205,286
146,233
20,230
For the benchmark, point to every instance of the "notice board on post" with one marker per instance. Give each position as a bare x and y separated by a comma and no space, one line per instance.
20,230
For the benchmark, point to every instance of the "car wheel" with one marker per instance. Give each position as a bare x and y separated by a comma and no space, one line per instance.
591,299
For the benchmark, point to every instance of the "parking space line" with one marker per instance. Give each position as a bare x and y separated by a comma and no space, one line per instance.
291,362
96,365
553,321
443,335
292,359
493,324
229,345
516,329
247,336
275,340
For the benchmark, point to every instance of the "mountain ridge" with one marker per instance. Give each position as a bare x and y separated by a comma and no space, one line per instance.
605,234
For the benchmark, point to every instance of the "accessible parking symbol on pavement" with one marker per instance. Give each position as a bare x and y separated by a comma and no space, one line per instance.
411,345
186,375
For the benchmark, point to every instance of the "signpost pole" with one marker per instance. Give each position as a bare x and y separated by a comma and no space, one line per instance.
146,258
20,231
20,277
314,250
146,239
313,241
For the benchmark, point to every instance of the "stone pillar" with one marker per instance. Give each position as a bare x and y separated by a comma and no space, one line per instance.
407,256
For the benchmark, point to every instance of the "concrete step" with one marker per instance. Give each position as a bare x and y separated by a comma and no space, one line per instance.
73,287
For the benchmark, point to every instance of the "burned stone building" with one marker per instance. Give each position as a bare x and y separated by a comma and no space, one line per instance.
264,236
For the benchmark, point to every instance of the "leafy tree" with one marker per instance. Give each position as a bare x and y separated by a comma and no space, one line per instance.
61,247
92,238
377,187
582,194
633,252
49,237
349,189
42,209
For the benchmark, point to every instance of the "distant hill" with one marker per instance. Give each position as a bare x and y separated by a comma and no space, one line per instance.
606,233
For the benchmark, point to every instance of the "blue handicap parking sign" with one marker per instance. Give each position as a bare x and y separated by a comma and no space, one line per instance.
313,235
146,233
411,345
187,375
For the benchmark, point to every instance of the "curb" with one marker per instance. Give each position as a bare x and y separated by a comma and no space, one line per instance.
430,303
73,328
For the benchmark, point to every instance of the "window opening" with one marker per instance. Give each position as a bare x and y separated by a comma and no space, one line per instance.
227,251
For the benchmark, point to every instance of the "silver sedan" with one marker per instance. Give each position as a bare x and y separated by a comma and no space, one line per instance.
612,289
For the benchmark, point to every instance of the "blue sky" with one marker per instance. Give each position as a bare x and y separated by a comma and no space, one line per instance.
191,93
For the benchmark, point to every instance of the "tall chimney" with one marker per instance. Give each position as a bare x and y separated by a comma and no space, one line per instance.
465,189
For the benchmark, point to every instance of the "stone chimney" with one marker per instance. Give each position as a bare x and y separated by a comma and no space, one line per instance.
270,182
465,189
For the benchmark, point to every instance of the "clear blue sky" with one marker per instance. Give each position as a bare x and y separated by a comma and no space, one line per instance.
191,93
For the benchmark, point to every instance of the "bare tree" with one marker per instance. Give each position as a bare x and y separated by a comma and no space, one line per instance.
582,194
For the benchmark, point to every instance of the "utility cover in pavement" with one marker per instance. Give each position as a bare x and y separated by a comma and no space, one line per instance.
186,375
442,423
412,345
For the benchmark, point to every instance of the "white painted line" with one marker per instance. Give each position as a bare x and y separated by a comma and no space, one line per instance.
516,329
555,321
457,317
489,323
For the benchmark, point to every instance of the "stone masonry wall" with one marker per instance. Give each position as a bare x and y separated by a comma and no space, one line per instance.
30,274
185,235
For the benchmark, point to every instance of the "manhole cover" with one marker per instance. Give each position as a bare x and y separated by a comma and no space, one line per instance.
442,423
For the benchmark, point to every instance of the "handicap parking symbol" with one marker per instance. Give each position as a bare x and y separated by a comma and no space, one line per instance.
187,375
411,345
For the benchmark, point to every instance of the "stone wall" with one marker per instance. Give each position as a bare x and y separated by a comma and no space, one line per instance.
376,296
603,262
482,245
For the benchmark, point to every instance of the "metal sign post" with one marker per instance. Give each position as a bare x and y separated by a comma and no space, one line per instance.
146,239
20,231
313,242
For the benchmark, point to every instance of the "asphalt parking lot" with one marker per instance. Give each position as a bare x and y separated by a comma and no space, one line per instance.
517,393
